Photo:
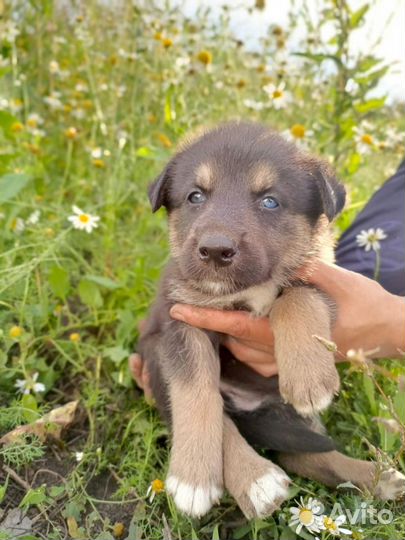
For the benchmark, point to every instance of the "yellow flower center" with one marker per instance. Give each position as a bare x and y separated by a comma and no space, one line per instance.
298,131
31,122
277,94
306,516
84,218
205,57
15,331
330,525
157,486
75,337
367,139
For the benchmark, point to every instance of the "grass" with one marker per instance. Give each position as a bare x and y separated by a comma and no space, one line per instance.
132,81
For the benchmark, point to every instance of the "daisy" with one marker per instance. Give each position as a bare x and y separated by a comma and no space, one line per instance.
34,217
299,134
365,141
53,101
253,104
334,526
306,515
279,98
83,221
27,385
370,239
79,456
156,487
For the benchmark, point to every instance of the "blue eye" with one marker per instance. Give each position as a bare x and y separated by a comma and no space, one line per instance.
196,197
269,203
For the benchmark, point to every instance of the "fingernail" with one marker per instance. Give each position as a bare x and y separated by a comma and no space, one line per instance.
176,312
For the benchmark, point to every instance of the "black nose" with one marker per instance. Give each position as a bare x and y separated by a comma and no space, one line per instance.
217,248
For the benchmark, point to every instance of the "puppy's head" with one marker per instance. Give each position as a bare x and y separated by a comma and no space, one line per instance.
244,206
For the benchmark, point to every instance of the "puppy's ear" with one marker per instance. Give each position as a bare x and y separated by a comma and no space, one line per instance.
158,190
331,191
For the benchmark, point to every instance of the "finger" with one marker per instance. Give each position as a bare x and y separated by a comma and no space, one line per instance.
147,388
235,323
135,365
250,356
257,345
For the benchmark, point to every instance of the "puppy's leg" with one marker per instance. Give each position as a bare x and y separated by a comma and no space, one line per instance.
258,485
195,477
308,377
334,468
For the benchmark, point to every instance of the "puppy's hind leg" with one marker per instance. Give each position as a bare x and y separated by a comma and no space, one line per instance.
333,468
258,485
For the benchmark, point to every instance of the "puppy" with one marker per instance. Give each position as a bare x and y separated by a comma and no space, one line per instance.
246,209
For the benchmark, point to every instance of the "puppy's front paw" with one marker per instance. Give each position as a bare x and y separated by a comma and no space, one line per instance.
194,500
313,382
390,485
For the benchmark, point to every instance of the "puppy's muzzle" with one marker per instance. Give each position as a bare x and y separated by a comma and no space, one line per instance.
217,249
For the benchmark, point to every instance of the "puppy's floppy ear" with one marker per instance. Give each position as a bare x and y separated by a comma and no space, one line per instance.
332,192
158,190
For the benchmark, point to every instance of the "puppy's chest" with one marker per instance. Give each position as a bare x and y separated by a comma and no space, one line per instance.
256,300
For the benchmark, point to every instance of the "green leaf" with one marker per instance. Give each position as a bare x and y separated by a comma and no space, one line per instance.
34,497
357,16
59,282
319,58
3,490
30,406
103,281
90,294
369,390
370,105
11,185
215,533
116,354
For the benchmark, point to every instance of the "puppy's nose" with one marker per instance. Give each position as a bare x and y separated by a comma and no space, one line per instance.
217,248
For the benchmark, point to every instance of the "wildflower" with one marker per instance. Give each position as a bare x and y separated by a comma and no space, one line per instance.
34,217
156,487
75,337
79,456
71,133
121,90
158,36
17,225
83,221
164,139
16,332
365,142
205,57
167,43
54,67
17,127
53,101
16,105
370,239
182,61
9,31
34,120
306,515
81,87
253,104
279,98
333,526
118,529
27,385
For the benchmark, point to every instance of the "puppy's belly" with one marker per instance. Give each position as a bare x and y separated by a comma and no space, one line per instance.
242,398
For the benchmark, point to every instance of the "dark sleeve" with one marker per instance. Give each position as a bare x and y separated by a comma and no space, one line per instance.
386,209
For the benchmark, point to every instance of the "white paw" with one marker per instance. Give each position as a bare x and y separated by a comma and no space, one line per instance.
267,492
194,501
391,485
315,406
